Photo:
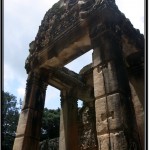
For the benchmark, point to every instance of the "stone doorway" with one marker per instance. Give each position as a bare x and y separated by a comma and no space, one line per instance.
114,81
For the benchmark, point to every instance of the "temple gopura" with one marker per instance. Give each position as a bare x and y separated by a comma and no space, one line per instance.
111,87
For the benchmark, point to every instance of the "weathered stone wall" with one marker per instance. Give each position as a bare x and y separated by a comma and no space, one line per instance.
50,144
87,131
87,127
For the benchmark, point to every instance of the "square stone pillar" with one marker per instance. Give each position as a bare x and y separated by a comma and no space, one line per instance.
62,131
115,119
139,115
29,125
68,122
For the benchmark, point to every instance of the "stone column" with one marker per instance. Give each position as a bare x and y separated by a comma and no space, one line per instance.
29,125
115,119
68,122
139,111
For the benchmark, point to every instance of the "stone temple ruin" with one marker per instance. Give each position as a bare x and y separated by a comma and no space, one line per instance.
112,87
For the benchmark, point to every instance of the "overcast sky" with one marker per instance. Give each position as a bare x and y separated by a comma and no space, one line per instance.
22,19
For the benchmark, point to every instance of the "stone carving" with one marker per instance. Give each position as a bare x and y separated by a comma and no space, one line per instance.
33,58
51,28
87,128
68,30
56,21
34,79
66,15
52,144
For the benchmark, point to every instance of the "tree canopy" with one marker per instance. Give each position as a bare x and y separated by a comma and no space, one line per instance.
50,124
10,116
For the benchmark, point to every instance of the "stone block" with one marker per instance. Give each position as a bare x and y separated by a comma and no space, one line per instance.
30,143
110,78
103,142
62,140
34,98
101,116
99,88
113,141
22,123
139,112
96,57
18,143
108,114
118,141
29,123
25,143
114,112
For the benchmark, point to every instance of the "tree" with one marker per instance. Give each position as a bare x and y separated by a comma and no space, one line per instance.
10,116
50,124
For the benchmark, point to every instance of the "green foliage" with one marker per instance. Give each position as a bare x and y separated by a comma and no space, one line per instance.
10,116
50,124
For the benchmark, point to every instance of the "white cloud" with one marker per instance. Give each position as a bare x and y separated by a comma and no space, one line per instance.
80,62
134,10
21,22
8,73
14,82
20,92
52,98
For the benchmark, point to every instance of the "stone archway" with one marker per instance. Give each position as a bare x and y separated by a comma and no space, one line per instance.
68,30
